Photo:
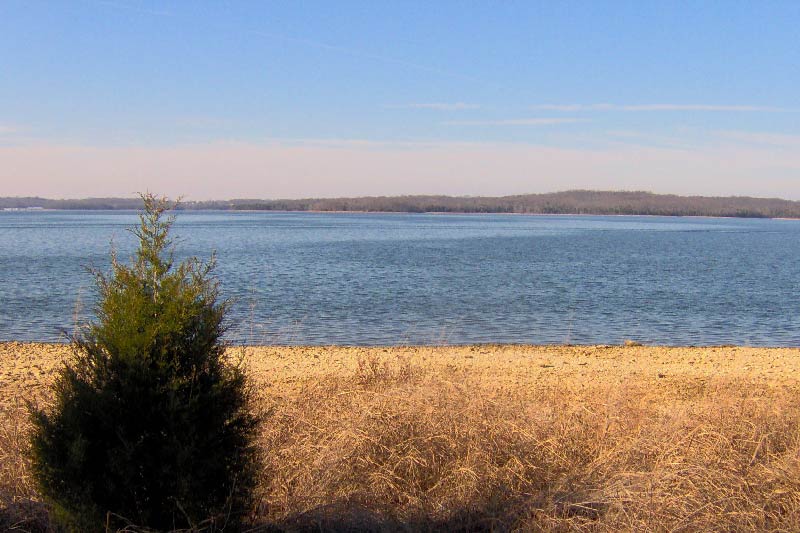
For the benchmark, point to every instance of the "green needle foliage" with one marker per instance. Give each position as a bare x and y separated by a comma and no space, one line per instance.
151,423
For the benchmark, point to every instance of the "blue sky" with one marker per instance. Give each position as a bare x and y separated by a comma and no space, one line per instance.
288,99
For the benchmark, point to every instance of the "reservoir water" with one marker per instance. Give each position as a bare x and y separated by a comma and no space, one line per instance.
388,279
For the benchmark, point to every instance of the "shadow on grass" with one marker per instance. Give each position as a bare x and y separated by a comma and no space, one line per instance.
492,516
349,517
26,516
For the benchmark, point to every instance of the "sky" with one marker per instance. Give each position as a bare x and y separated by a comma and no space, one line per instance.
217,100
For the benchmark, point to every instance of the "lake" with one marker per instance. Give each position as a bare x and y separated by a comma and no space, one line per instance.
388,279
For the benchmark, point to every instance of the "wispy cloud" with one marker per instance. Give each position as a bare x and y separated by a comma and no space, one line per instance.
627,134
321,45
662,107
514,122
564,107
438,106
776,140
360,54
200,121
128,7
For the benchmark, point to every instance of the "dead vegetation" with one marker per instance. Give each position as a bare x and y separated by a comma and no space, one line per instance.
395,445
20,508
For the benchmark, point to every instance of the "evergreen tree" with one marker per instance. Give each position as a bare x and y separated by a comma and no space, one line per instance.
151,424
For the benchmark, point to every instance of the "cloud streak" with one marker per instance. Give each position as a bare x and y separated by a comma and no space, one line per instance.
136,9
514,122
321,45
662,107
439,106
773,140
360,54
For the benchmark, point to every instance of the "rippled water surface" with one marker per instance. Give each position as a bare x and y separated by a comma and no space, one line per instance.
306,278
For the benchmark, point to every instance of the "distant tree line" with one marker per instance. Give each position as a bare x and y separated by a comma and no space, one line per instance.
567,202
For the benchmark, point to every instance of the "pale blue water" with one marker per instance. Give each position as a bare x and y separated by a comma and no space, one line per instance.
306,278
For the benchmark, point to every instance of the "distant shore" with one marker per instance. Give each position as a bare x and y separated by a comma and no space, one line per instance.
441,213
577,202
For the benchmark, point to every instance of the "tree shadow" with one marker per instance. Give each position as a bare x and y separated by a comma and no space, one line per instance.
496,515
26,516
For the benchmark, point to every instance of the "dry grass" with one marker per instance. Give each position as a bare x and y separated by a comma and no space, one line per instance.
391,444
408,451
20,509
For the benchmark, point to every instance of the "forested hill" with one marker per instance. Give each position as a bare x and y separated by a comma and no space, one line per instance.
568,202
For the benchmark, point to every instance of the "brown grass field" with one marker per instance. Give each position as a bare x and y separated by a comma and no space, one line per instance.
493,438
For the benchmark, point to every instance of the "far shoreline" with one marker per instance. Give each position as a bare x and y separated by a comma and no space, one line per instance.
569,203
359,212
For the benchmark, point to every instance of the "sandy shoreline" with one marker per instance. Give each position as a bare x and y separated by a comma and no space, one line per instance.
26,369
